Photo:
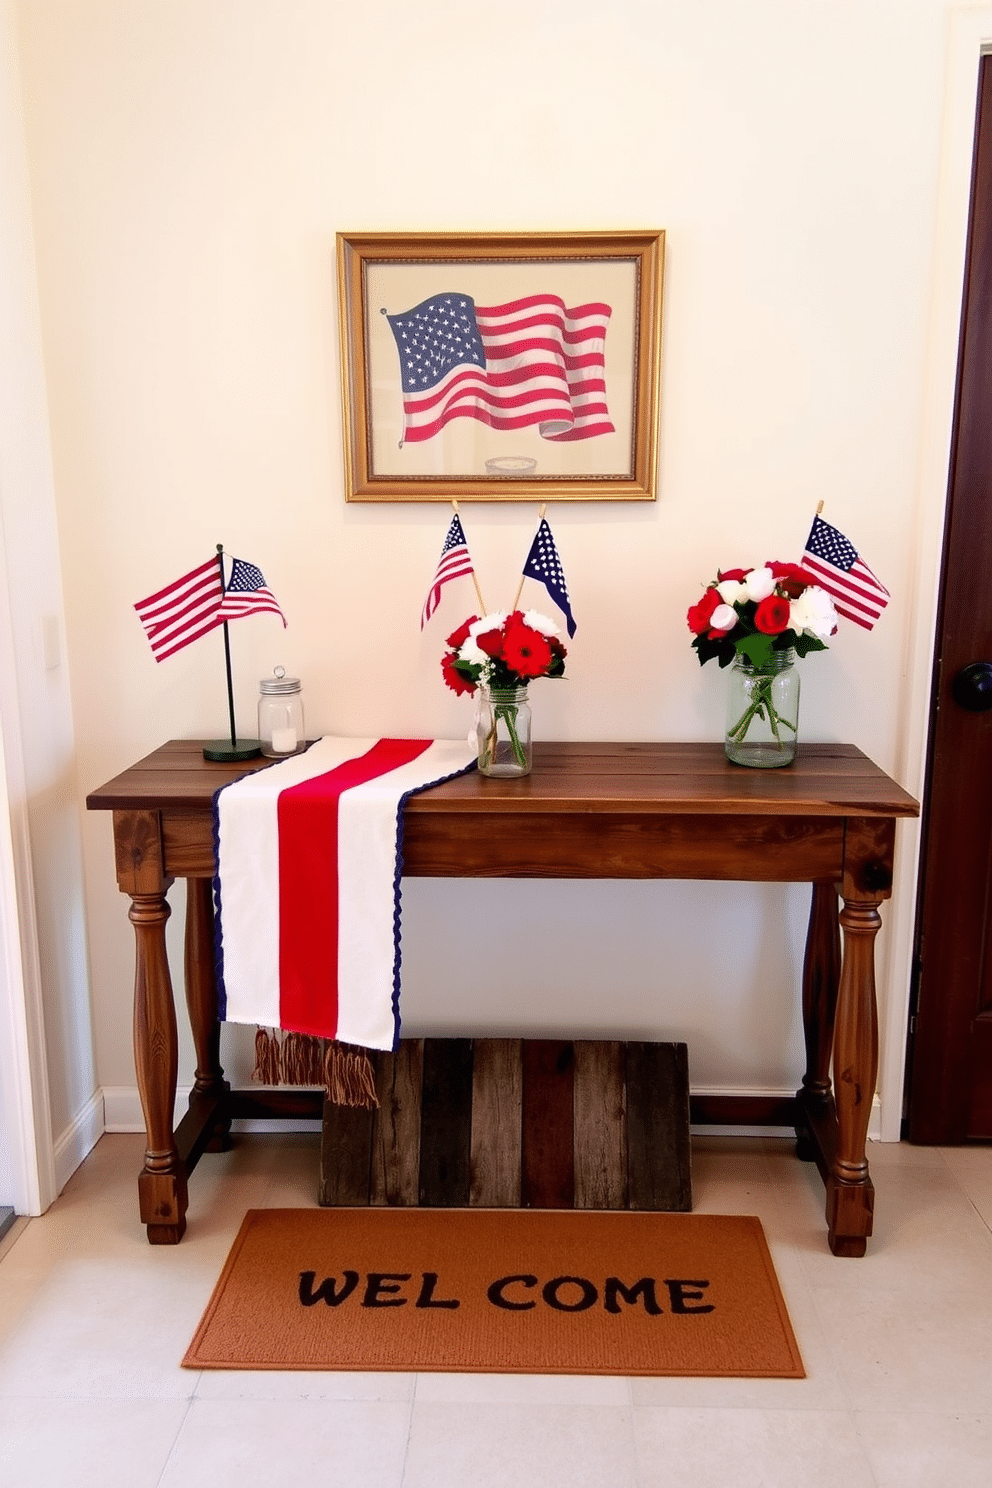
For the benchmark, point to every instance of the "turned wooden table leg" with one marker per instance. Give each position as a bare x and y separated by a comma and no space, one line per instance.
869,848
162,1194
850,1192
821,977
162,1191
201,1001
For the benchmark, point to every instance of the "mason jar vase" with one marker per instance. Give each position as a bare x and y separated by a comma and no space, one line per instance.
503,731
762,711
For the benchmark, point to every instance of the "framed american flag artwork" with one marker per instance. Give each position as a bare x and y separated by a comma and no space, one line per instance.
507,367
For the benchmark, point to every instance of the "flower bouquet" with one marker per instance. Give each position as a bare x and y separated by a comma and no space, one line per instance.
497,656
760,620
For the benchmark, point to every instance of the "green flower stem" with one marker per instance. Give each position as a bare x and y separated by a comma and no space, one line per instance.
760,707
508,712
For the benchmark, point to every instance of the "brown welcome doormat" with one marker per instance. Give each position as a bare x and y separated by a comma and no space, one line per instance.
510,1291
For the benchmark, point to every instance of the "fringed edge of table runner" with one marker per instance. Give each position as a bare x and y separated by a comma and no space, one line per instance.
344,1071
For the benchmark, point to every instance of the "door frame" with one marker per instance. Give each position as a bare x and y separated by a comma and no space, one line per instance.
968,36
24,1097
927,1116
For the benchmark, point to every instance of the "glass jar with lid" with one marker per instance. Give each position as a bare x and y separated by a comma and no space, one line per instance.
280,715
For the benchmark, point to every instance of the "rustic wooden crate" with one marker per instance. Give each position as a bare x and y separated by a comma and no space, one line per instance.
516,1123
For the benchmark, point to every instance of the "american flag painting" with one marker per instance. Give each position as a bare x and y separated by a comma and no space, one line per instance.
839,569
531,361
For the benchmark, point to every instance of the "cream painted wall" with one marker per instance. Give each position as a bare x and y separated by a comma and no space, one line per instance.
190,165
46,1060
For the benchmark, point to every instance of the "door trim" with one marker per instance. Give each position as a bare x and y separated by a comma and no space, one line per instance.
969,35
24,1095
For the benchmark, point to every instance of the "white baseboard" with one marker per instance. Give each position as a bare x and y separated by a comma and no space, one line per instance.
79,1139
122,1113
874,1121
122,1108
117,1108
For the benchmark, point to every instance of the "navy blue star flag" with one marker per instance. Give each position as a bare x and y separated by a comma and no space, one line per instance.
544,565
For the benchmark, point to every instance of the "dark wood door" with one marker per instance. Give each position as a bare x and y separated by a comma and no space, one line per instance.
950,1065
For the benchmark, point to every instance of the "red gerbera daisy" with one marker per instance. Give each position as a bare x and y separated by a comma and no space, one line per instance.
453,677
526,651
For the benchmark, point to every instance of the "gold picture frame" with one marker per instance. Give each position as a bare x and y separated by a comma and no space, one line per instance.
501,367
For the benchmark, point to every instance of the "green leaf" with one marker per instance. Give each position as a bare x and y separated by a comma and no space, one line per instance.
707,650
807,643
757,648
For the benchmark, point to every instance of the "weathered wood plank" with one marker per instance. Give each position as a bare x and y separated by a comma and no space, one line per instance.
600,1125
547,1157
345,1155
658,1155
497,1104
508,1123
446,1123
396,1126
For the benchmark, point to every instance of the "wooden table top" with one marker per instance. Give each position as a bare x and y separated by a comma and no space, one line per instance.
830,780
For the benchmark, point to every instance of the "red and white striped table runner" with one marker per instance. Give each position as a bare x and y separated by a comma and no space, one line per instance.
307,892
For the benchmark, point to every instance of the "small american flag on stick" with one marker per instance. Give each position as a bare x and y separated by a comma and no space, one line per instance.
544,565
834,561
184,610
248,594
454,563
199,601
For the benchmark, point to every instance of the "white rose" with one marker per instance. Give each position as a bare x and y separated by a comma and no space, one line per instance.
758,584
731,591
724,617
813,612
541,623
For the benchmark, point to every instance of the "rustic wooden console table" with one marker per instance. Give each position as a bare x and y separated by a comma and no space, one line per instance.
586,811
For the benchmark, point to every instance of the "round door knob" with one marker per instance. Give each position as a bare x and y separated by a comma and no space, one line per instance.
972,687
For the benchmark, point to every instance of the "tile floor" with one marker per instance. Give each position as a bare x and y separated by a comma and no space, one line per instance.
898,1350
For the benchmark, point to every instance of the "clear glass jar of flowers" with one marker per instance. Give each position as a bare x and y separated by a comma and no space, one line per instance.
758,621
495,657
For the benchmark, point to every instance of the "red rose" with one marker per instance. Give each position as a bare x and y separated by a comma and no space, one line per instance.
791,578
458,637
526,651
733,573
772,615
455,679
698,615
558,654
490,641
